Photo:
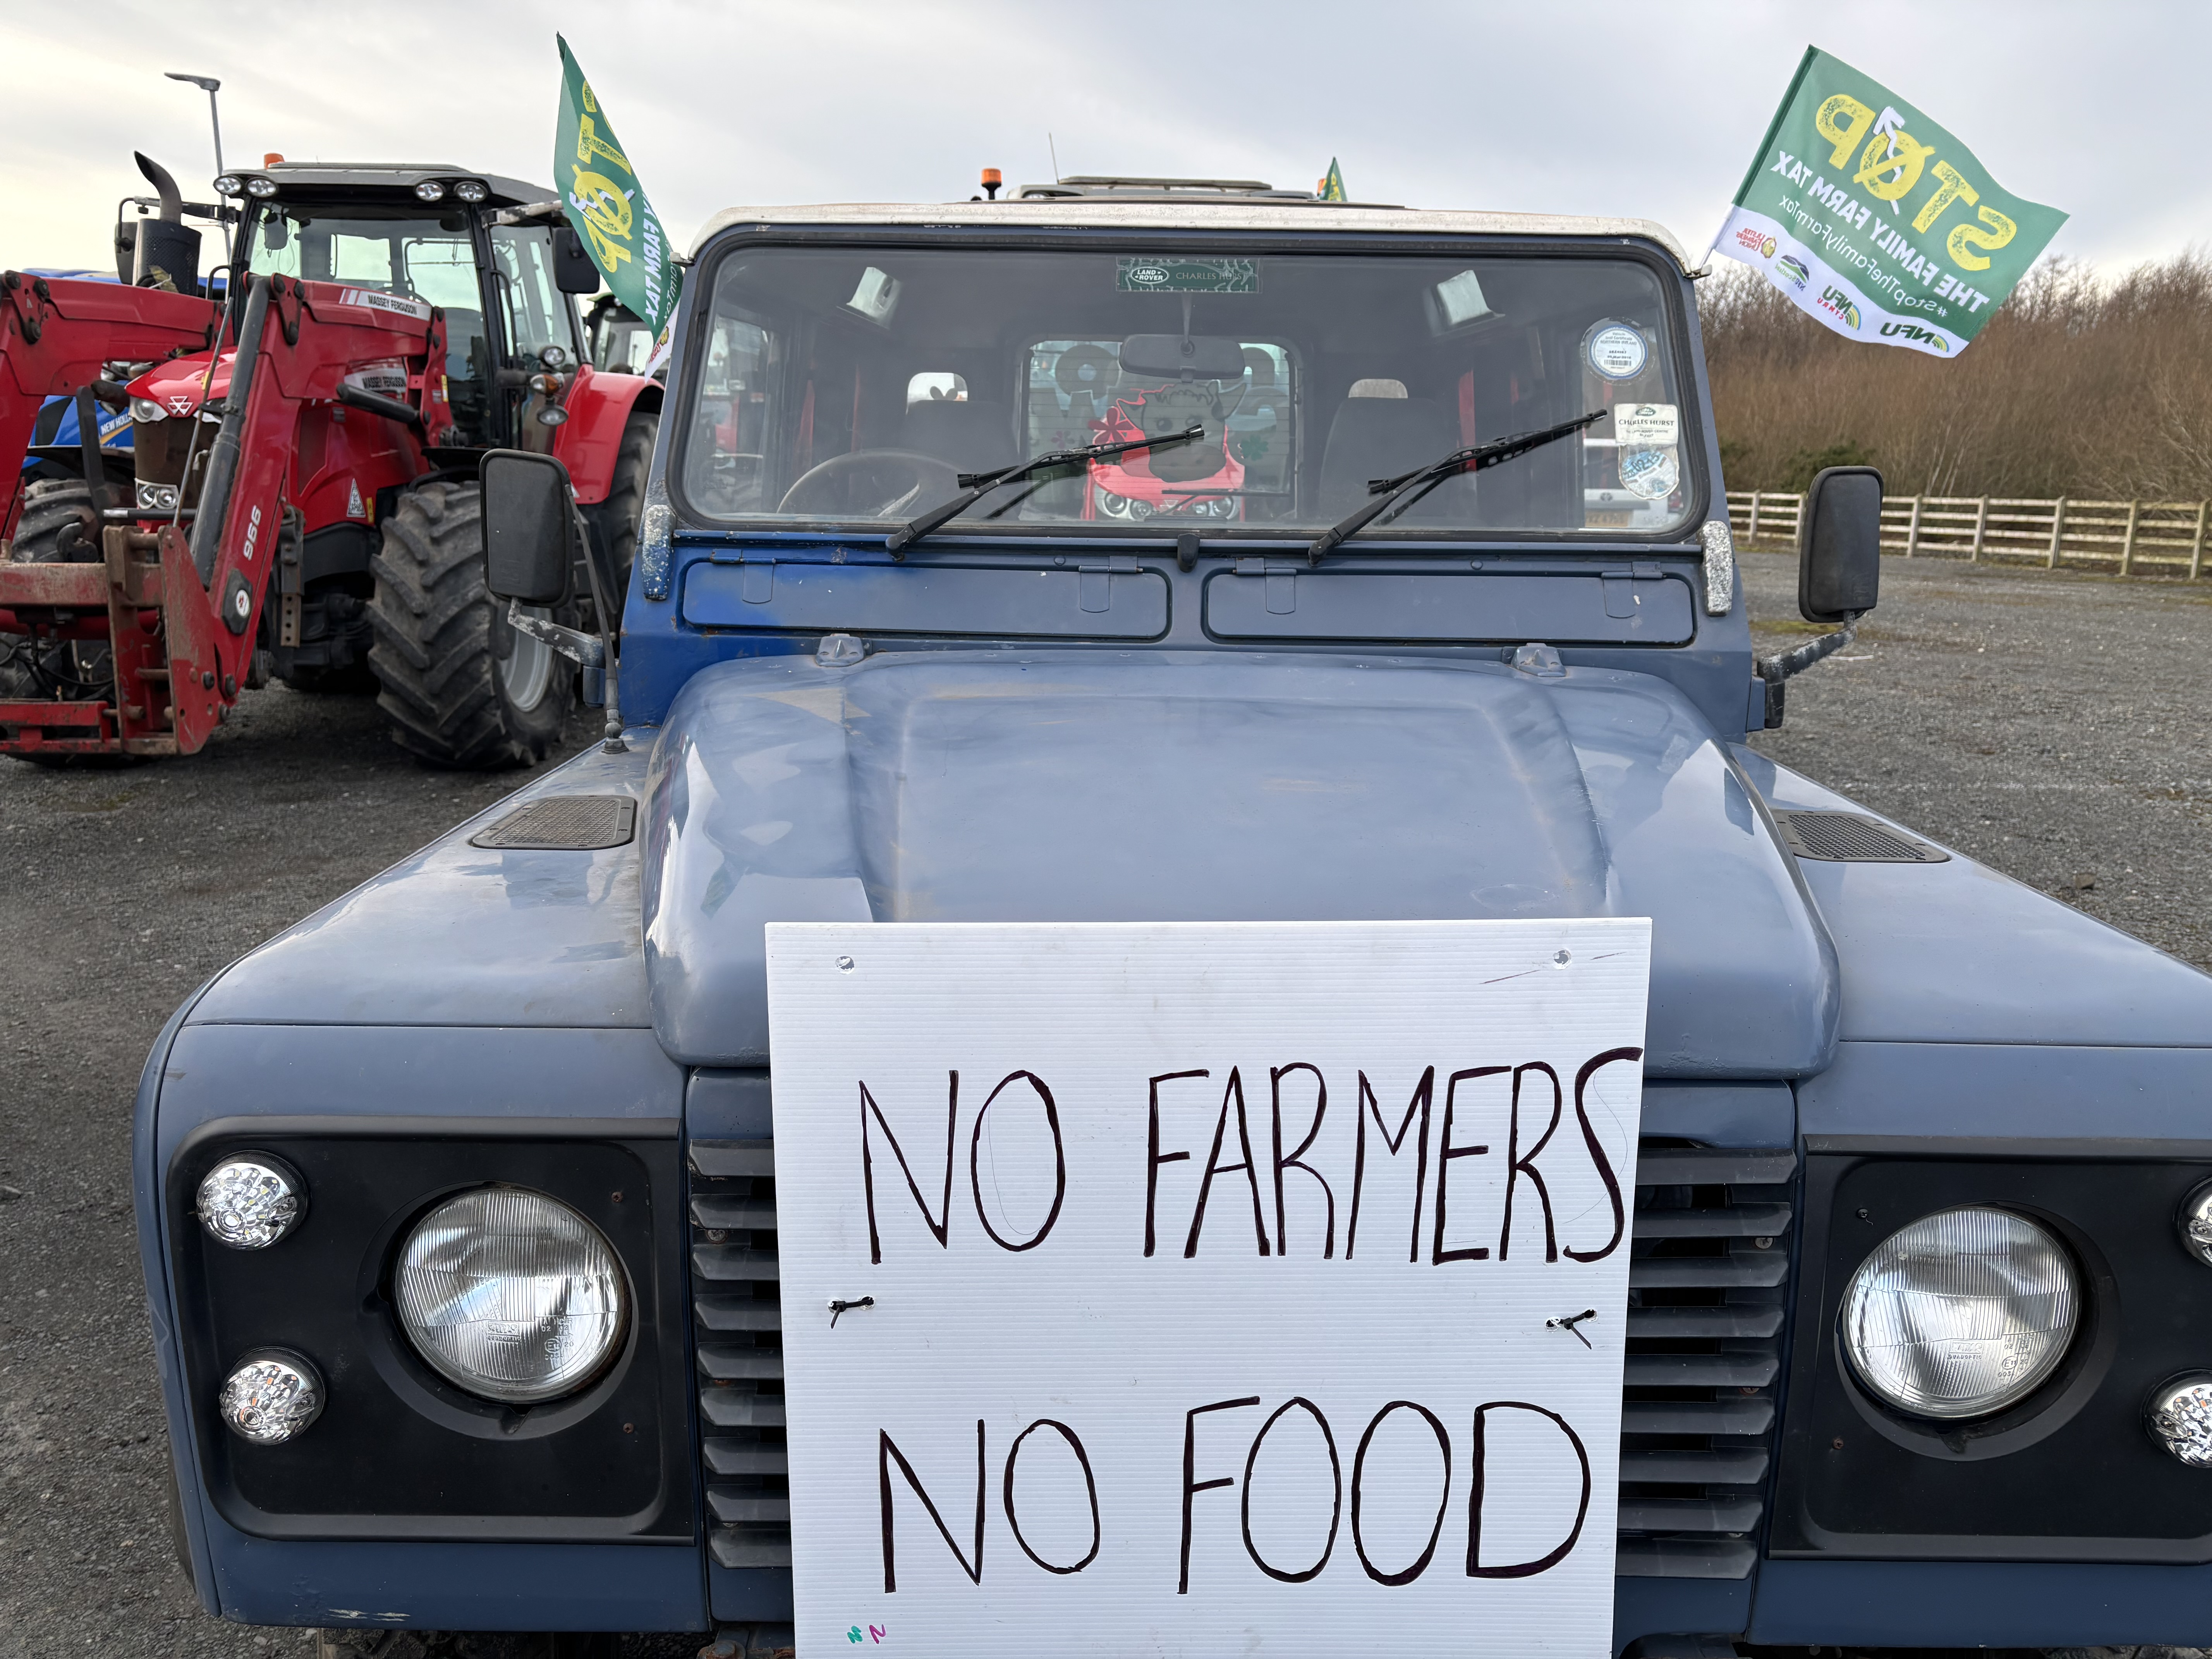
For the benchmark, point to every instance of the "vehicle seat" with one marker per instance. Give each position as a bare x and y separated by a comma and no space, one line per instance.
973,437
1378,433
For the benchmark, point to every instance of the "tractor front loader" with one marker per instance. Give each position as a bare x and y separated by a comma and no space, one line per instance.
159,626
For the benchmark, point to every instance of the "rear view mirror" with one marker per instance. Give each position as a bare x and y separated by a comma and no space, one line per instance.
1839,544
526,526
1171,357
572,269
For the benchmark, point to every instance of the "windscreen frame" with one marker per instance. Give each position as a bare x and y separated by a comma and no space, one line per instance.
1679,346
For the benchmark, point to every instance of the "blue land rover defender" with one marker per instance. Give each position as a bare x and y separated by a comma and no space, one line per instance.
1149,551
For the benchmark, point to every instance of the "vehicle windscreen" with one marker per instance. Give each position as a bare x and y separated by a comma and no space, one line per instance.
854,385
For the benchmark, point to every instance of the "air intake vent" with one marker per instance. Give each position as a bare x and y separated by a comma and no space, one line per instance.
575,823
1852,838
738,1333
1706,1288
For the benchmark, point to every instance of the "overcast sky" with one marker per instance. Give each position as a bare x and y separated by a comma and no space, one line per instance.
1645,109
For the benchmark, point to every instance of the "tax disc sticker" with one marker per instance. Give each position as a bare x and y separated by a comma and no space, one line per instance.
1651,473
1616,351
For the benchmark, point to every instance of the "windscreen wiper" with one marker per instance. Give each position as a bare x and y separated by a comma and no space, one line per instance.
1410,487
975,485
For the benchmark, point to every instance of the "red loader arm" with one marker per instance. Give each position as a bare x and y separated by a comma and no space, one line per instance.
182,614
56,335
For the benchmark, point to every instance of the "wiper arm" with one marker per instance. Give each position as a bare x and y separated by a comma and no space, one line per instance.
1410,487
975,486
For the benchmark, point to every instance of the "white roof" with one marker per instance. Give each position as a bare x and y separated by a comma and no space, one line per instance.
1199,213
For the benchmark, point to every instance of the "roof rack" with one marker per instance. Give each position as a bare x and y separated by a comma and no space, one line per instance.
1135,184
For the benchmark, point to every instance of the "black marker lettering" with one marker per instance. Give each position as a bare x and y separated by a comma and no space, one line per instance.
1543,1562
1445,1153
1090,1483
1519,1164
886,1454
940,1224
1275,1076
1214,1167
1058,1162
1443,1499
1153,1156
1597,1151
1336,1504
1423,1094
1191,1484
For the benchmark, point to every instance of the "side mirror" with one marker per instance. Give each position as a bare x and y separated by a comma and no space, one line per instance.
1839,544
572,269
526,526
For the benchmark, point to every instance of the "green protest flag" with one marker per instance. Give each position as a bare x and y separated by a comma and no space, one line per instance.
1332,187
605,203
1876,221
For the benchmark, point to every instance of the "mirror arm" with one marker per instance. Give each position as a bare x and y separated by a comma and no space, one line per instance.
1784,664
611,742
572,643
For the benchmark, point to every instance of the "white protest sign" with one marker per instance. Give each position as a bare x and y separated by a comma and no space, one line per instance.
1243,1287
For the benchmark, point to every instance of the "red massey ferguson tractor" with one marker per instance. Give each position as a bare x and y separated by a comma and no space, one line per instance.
302,502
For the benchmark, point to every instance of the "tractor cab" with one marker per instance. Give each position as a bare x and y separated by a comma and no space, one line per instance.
479,247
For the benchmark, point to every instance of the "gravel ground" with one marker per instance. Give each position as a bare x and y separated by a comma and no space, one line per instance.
2035,722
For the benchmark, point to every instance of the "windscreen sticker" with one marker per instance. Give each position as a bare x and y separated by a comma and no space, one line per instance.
1616,351
392,302
1647,424
1162,276
1651,473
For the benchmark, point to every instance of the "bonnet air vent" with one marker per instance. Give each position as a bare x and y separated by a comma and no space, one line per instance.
1852,838
564,823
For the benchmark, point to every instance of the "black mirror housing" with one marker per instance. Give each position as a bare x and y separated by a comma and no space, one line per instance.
1839,544
572,269
1171,357
526,526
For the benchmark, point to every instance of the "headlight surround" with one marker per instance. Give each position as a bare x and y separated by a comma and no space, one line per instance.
511,1295
145,408
1960,1314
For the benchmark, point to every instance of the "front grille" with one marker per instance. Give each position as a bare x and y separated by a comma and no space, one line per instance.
1706,1287
738,1334
1707,1283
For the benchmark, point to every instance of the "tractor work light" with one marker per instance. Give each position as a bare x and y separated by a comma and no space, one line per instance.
261,189
511,1295
251,1201
271,1396
1960,1314
471,191
429,190
230,183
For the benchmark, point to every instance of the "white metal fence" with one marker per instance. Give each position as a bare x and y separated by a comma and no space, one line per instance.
2132,538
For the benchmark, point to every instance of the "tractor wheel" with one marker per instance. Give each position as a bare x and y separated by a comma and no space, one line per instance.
617,515
460,687
59,525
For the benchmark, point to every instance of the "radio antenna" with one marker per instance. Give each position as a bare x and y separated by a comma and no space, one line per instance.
1055,148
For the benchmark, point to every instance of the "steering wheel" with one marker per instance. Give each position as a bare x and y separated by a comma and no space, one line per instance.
871,483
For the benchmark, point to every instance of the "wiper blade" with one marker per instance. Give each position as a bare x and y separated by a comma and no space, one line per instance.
1410,487
975,486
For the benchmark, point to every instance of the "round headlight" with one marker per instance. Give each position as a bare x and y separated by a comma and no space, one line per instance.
261,189
250,1201
429,190
229,184
470,191
2196,1224
270,1397
2179,1417
511,1295
145,408
1961,1313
